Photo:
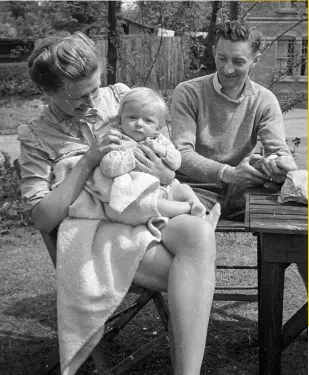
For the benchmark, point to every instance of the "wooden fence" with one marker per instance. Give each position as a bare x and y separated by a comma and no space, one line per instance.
149,60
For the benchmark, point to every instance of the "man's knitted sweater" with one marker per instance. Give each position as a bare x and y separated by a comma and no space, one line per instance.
211,130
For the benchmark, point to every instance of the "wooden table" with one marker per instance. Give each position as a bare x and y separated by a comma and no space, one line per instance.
282,239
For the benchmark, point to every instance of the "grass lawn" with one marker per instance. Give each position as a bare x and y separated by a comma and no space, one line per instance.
28,297
28,315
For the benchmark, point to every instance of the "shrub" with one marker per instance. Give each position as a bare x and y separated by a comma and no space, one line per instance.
15,80
11,211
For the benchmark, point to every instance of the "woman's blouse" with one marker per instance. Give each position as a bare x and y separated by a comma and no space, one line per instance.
55,136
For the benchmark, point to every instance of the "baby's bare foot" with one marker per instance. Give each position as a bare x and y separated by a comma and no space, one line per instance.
197,208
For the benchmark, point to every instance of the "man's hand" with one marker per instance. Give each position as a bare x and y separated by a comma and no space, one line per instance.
244,174
277,166
151,163
156,147
138,152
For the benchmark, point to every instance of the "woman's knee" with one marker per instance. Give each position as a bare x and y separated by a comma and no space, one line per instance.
153,270
186,232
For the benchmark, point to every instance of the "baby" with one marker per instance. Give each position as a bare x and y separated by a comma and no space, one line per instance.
121,191
141,114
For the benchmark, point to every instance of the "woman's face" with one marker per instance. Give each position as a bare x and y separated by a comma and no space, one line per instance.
78,97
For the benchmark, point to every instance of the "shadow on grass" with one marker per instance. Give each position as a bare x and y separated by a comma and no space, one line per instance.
29,335
29,327
40,309
231,345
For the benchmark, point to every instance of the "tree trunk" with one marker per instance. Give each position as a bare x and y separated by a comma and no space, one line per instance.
111,46
233,10
208,60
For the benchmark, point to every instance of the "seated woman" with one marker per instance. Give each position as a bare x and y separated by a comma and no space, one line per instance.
68,70
128,195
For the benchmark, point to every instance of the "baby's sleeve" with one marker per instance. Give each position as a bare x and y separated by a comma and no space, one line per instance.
173,156
117,163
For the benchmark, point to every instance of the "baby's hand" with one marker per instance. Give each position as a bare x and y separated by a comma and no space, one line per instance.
156,147
197,208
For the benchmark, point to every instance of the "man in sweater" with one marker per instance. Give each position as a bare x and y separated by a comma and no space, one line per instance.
217,119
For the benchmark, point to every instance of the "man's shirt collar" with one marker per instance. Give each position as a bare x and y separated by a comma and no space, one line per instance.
248,89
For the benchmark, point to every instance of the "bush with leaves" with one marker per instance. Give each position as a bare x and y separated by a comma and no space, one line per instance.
11,211
15,80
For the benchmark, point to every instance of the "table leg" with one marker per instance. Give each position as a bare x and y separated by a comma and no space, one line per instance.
271,286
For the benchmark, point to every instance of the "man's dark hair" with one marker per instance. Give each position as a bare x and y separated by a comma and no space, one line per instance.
237,31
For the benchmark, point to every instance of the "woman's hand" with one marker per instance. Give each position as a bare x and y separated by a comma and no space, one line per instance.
244,174
102,144
150,163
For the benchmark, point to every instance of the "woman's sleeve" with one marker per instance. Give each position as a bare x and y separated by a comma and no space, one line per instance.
120,90
36,170
270,128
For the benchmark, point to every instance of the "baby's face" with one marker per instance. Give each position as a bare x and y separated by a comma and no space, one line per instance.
140,122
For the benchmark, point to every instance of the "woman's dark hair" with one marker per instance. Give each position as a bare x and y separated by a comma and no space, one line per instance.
236,31
57,59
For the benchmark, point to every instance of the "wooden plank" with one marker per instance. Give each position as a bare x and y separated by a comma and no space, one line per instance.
260,199
270,200
286,210
265,214
236,287
285,248
53,363
144,351
294,326
301,218
162,308
270,309
270,226
100,360
230,226
247,211
235,297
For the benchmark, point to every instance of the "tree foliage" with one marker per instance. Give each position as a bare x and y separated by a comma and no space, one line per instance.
180,16
34,19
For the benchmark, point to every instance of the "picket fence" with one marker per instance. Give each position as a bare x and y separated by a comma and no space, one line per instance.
149,60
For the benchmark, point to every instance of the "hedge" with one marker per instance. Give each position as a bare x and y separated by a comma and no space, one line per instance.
15,80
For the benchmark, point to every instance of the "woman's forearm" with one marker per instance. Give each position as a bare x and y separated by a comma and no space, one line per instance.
53,208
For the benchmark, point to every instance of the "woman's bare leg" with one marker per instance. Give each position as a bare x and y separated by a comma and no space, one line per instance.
172,208
191,279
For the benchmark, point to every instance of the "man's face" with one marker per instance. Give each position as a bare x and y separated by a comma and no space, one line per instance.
233,62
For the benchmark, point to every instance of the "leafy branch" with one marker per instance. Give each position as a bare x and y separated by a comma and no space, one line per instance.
247,12
292,64
283,33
